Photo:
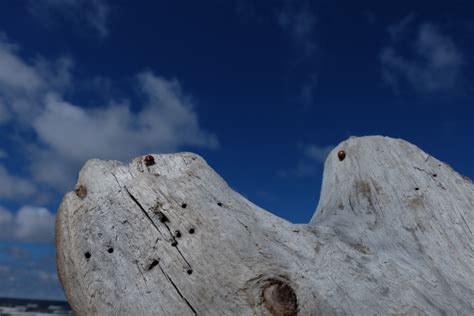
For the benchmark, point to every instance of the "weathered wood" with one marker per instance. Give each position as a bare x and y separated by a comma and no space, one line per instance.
392,235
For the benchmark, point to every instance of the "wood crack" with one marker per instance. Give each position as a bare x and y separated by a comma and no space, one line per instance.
466,224
351,206
179,251
143,210
154,225
177,289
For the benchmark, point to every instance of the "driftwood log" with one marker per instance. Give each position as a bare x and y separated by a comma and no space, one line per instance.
165,235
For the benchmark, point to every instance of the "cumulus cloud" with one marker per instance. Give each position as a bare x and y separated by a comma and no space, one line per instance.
313,157
15,75
94,14
29,224
13,187
67,134
166,121
23,83
429,63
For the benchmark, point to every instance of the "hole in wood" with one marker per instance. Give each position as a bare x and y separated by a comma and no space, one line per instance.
110,250
191,230
162,217
189,271
416,189
280,299
220,204
435,175
153,264
184,205
177,234
174,243
87,255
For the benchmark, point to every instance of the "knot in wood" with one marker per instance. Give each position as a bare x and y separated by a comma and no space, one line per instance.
280,299
149,160
341,155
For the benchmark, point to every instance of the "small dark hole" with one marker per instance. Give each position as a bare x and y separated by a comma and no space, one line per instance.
110,250
153,264
162,217
220,204
174,243
87,255
191,230
189,271
435,175
177,233
417,189
184,205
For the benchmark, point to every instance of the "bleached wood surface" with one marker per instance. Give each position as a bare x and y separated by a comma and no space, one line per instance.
392,235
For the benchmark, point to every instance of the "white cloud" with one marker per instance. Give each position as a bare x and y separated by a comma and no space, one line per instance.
68,134
13,187
168,114
6,220
313,157
15,75
397,30
29,224
23,84
74,134
317,153
4,113
308,91
34,224
27,272
431,64
299,24
302,169
93,14
55,74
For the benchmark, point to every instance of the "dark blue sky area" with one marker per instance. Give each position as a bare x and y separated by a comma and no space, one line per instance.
261,89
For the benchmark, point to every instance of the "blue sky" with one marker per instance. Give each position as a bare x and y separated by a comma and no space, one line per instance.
261,89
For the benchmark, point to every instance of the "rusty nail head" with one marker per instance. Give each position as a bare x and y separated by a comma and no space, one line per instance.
149,160
341,155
